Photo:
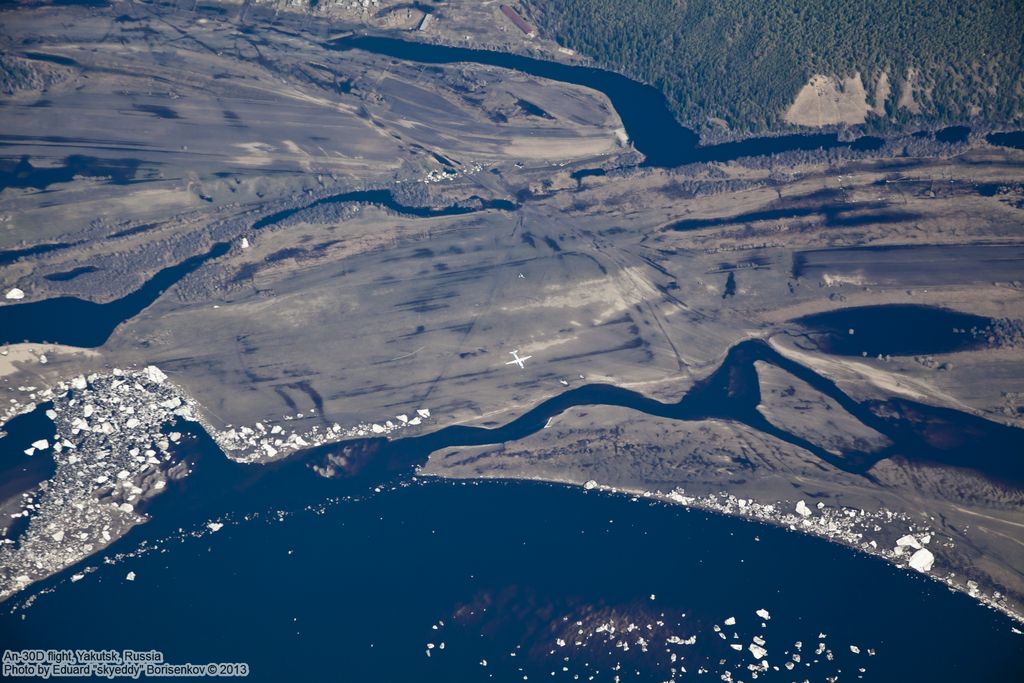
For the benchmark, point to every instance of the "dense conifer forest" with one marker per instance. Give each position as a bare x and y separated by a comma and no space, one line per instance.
743,61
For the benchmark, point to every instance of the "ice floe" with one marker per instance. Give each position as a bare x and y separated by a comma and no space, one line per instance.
922,560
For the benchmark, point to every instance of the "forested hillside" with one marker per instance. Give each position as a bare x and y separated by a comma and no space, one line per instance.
743,61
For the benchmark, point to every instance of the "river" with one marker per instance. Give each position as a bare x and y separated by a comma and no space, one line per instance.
316,578
644,111
361,588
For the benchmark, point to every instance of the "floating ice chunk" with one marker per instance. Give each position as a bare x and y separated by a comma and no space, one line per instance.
58,535
87,411
14,294
590,485
245,243
130,576
922,560
123,474
30,451
43,359
908,540
52,414
731,621
402,418
41,444
78,382
77,577
215,526
483,662
127,507
423,412
132,423
763,613
154,374
854,649
802,509
377,429
756,650
415,421
736,646
676,640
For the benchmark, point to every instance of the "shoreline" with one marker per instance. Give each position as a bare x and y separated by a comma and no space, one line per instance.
751,512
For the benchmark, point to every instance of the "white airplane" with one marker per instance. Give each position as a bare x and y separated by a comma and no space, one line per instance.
521,362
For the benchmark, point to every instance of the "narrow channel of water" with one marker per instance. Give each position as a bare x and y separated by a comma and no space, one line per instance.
645,113
87,324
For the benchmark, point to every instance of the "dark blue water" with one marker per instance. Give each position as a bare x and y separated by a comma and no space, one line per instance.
897,329
18,471
352,589
12,255
1014,139
78,322
732,393
953,134
350,592
644,111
